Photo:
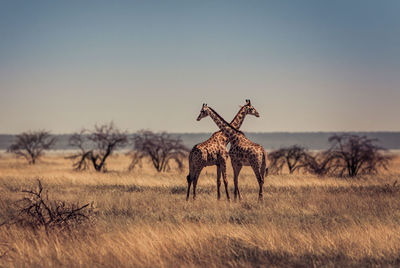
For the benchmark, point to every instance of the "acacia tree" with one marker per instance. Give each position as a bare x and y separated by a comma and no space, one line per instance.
96,145
161,148
32,144
319,164
294,157
353,155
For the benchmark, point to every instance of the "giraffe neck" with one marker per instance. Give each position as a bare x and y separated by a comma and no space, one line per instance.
226,128
239,118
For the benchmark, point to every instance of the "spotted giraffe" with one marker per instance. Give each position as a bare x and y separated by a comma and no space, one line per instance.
214,152
243,152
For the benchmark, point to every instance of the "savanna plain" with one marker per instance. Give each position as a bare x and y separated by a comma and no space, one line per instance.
141,218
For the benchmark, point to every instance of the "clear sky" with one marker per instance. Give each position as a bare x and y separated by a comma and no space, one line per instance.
306,65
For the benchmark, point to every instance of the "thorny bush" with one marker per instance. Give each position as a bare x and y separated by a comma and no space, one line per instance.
36,211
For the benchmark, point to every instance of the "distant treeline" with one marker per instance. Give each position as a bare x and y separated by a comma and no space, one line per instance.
272,140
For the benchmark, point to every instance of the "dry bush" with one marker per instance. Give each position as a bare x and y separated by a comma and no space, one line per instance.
96,146
136,160
37,211
353,155
161,148
32,144
349,155
319,164
293,157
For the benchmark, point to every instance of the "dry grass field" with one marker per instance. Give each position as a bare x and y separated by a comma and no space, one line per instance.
143,220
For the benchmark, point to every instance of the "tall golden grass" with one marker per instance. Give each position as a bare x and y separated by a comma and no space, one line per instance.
143,220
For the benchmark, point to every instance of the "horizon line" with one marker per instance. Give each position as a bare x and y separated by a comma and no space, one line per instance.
256,132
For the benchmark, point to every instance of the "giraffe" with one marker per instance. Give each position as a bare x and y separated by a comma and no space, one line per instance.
243,152
214,152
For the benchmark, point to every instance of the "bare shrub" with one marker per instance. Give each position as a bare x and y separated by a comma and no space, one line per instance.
161,148
32,144
293,157
37,211
353,155
82,159
96,146
319,163
136,160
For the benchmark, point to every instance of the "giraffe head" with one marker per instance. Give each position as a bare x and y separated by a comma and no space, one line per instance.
204,112
249,109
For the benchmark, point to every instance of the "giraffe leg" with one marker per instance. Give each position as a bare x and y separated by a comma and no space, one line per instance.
223,171
196,176
260,178
236,170
238,192
263,173
189,180
218,181
261,184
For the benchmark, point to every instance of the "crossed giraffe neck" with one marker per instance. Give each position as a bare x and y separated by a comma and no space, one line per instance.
239,118
229,130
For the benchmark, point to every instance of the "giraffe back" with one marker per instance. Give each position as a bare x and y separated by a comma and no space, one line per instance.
246,152
210,151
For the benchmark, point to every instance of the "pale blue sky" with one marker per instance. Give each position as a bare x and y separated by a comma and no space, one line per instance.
306,65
